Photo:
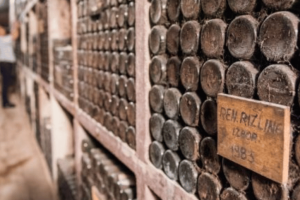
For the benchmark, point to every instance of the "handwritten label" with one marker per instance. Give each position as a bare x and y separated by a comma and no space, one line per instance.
255,134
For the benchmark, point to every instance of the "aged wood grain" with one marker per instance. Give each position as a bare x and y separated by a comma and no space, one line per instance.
255,135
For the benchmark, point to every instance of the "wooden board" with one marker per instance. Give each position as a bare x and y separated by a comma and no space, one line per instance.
255,135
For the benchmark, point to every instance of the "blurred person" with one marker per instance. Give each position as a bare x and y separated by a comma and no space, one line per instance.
7,60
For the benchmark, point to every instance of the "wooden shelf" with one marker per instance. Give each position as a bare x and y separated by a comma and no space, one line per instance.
154,178
147,176
66,103
114,144
164,187
36,78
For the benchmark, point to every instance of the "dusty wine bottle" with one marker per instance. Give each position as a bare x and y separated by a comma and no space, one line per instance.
158,12
171,130
157,40
264,188
190,109
188,175
115,122
209,117
237,176
189,140
130,90
282,4
130,137
242,36
123,109
130,39
297,149
113,18
190,9
122,39
107,101
172,98
156,151
173,71
241,79
114,84
114,35
157,69
156,98
209,186
189,73
122,130
242,7
213,38
232,194
278,41
131,114
212,77
156,125
114,107
122,86
123,63
213,9
122,15
173,10
131,14
130,69
128,194
173,39
296,193
277,84
170,163
189,37
209,157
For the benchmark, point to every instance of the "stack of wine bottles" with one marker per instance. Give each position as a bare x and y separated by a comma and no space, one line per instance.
101,170
66,179
63,69
106,60
44,43
46,140
34,54
202,48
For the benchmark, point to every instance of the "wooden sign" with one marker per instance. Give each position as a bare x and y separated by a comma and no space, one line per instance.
255,135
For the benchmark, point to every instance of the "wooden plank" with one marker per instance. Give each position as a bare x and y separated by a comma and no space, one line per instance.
142,82
66,103
255,135
163,187
74,46
36,78
114,144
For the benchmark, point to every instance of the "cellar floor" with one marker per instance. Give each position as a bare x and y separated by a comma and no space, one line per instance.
23,171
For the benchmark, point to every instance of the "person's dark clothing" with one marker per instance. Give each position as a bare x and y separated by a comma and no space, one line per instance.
6,71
